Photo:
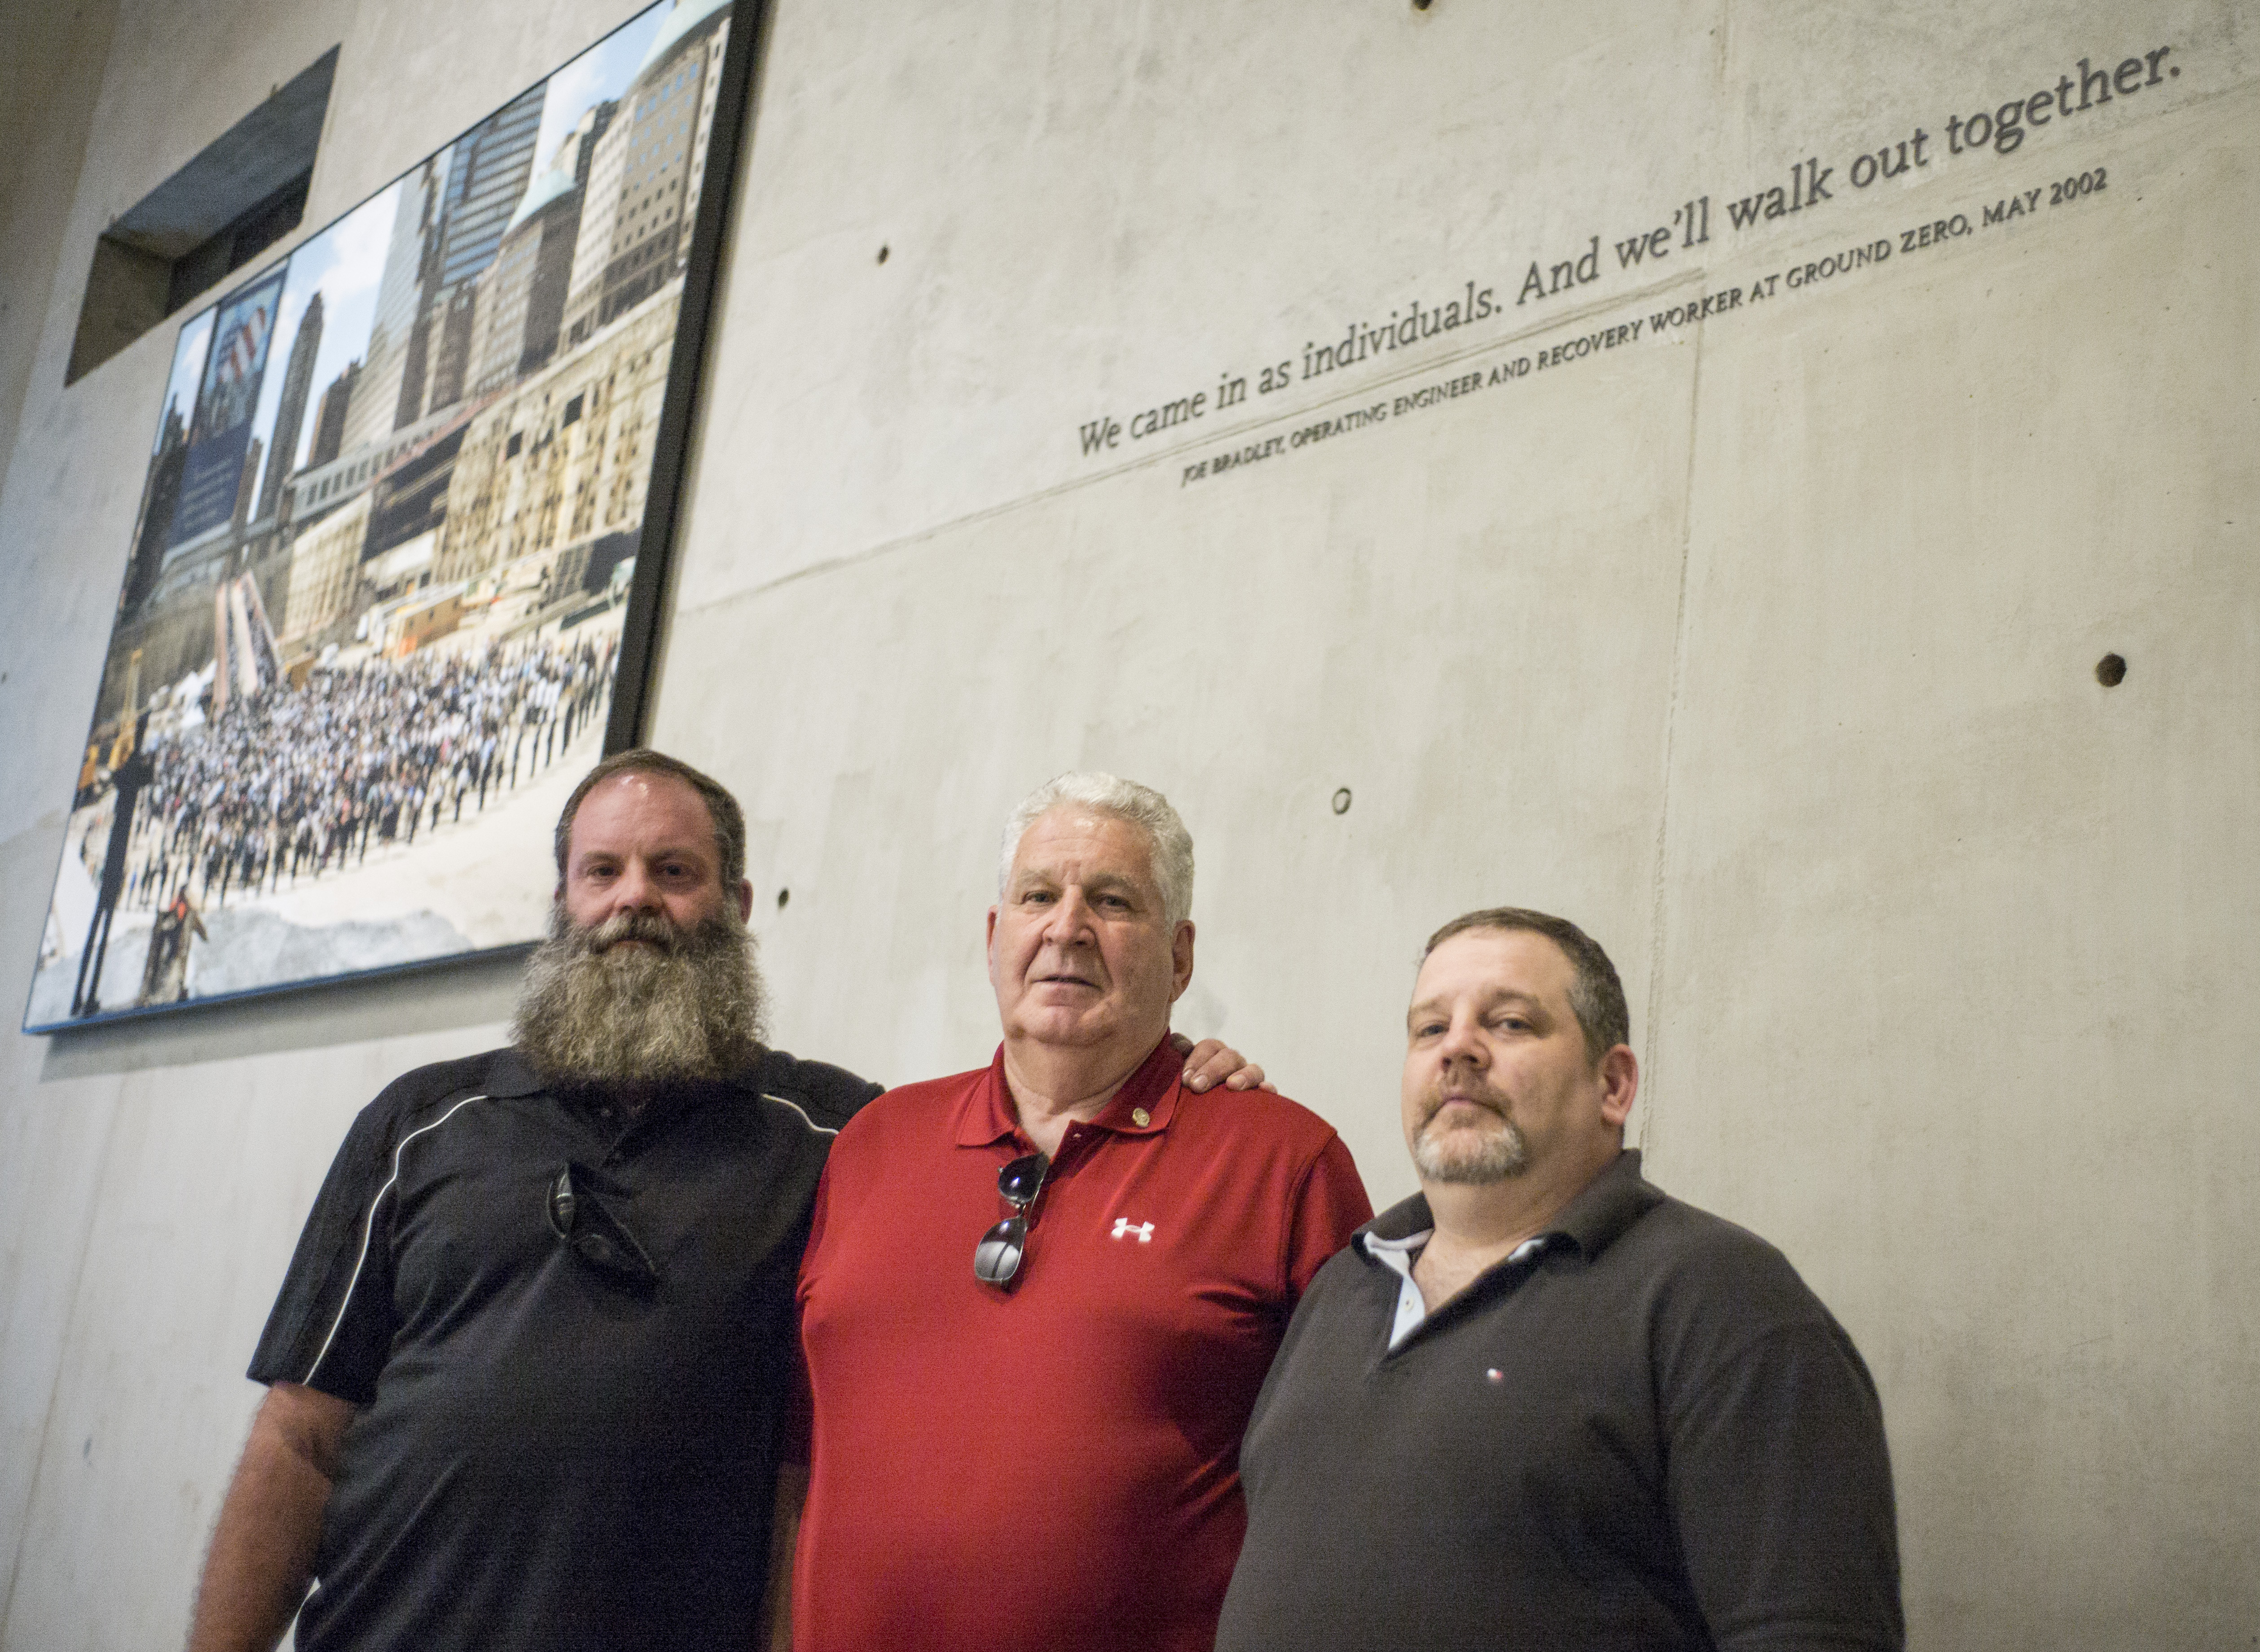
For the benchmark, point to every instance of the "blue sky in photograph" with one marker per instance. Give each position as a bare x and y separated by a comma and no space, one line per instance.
600,71
188,368
346,261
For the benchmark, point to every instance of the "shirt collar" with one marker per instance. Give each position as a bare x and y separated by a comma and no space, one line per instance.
1398,1255
1142,1107
511,1074
1602,1209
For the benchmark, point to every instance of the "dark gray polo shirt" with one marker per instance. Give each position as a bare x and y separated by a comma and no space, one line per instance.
548,1458
1644,1433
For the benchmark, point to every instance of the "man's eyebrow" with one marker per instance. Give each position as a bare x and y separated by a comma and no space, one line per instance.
666,852
1433,1004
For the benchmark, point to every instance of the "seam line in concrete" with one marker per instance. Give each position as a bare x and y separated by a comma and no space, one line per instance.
1657,871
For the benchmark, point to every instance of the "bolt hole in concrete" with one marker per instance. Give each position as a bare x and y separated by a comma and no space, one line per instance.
1341,801
2111,670
882,255
784,895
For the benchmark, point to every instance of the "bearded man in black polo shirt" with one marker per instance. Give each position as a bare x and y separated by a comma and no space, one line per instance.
525,1372
1541,1402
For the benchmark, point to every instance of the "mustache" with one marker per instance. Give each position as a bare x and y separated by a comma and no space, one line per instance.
654,929
1476,1094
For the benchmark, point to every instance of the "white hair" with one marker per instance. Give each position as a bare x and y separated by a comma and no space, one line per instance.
1166,842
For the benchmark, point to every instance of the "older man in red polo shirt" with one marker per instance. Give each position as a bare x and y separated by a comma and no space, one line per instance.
1039,1298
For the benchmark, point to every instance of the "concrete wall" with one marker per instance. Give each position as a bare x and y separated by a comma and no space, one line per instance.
1764,643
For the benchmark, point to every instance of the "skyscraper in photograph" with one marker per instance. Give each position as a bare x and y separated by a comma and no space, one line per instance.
592,250
246,484
576,151
646,181
521,296
290,415
376,394
485,184
559,465
331,416
161,497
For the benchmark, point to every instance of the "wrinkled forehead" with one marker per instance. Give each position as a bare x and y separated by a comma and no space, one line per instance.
1073,842
645,802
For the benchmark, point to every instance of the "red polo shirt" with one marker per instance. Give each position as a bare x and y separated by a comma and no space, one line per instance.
1055,1466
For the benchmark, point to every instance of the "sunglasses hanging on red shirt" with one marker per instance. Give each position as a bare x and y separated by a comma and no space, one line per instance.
997,1258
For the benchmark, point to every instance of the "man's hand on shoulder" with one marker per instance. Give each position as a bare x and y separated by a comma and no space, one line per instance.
1212,1061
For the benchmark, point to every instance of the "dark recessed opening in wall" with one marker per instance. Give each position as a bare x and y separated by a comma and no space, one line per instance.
243,193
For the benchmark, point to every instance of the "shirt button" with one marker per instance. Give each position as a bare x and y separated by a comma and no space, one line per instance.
1139,1116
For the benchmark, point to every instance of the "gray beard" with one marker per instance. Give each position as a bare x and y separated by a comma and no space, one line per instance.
690,1006
1500,1154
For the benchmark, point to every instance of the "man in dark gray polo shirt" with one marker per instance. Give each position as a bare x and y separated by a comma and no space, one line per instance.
1541,1402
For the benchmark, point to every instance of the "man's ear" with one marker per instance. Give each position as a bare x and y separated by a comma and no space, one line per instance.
745,899
1181,959
1620,1084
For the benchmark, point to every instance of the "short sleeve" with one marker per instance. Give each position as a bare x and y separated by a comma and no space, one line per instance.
1780,1487
332,1321
1330,1207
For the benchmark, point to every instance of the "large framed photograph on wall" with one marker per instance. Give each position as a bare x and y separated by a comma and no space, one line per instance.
400,551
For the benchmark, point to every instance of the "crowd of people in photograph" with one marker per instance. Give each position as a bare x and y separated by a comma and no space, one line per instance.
295,782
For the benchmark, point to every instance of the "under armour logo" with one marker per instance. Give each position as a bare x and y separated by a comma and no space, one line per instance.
1124,1228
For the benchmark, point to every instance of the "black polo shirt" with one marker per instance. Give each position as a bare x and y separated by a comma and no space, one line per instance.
1646,1432
549,1456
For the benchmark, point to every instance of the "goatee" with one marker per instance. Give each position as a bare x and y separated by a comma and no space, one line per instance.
686,1004
1466,1158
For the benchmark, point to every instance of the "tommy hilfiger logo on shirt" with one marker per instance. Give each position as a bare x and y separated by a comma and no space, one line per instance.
1124,1228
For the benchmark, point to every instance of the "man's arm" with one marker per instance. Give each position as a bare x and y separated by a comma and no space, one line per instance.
784,1538
1330,1207
262,1548
1780,1488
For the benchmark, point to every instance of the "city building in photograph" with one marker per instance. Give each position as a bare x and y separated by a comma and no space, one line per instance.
373,607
